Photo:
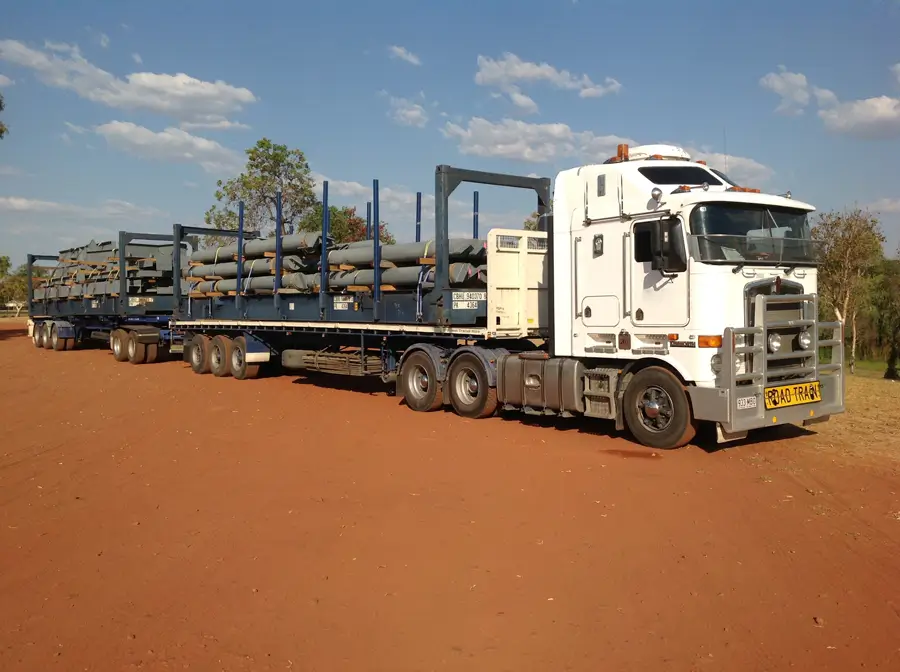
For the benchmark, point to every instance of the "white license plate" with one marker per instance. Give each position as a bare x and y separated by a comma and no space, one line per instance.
745,403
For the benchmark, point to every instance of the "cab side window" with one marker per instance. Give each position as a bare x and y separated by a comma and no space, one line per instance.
643,244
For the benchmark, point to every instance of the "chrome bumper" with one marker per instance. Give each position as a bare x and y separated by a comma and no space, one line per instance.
737,402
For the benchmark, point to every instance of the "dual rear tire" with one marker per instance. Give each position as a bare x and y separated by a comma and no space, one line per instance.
222,356
46,335
467,385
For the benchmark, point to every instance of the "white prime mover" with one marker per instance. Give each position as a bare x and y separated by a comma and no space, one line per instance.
677,297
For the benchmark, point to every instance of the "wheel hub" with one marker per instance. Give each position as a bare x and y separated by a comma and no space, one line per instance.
656,409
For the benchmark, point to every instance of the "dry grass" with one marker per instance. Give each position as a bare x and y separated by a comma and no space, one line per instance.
871,424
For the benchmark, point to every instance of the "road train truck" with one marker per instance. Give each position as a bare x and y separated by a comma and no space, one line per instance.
658,294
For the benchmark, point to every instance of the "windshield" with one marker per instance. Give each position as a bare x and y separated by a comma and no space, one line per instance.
740,233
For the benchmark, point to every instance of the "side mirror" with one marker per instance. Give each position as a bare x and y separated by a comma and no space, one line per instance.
669,254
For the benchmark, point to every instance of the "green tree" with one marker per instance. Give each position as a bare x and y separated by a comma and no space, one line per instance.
531,223
4,265
14,290
270,167
850,251
3,127
344,225
886,300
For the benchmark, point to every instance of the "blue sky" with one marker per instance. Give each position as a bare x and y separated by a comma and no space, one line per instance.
122,115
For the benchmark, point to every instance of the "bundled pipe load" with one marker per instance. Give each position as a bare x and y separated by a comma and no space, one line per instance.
297,243
405,266
92,271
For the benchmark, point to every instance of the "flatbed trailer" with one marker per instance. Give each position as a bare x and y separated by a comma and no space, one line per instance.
136,326
416,337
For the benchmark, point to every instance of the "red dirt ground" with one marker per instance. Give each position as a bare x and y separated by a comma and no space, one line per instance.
154,519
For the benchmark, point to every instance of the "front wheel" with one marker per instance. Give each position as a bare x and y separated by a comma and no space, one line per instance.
657,409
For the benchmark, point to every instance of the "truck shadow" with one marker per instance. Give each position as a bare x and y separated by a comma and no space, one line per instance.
369,385
9,333
706,437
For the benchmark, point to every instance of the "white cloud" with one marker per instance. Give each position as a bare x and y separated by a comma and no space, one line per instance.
213,125
111,209
543,143
869,118
75,128
404,54
172,144
397,206
66,138
10,171
104,40
190,185
886,205
791,87
535,143
180,96
872,118
509,72
6,81
136,57
741,169
406,112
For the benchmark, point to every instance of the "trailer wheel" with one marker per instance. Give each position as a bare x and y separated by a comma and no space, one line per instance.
117,345
152,353
657,409
240,369
56,343
200,353
470,393
37,335
419,383
220,356
46,342
137,351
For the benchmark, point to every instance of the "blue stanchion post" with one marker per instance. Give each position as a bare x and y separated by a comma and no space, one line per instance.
418,216
369,220
240,255
277,241
475,215
376,236
323,262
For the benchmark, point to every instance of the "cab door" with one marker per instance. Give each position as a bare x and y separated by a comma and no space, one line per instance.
656,299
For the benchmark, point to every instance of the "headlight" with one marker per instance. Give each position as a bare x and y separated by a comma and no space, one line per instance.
715,363
774,342
804,339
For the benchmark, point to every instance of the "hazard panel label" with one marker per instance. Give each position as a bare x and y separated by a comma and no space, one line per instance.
468,300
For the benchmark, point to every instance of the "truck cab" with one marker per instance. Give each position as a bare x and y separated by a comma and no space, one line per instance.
673,265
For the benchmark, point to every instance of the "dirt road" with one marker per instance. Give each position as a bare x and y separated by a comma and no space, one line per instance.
154,519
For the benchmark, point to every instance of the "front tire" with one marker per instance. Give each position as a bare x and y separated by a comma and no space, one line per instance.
657,409
470,392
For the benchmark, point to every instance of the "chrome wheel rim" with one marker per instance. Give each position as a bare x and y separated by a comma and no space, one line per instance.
655,409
